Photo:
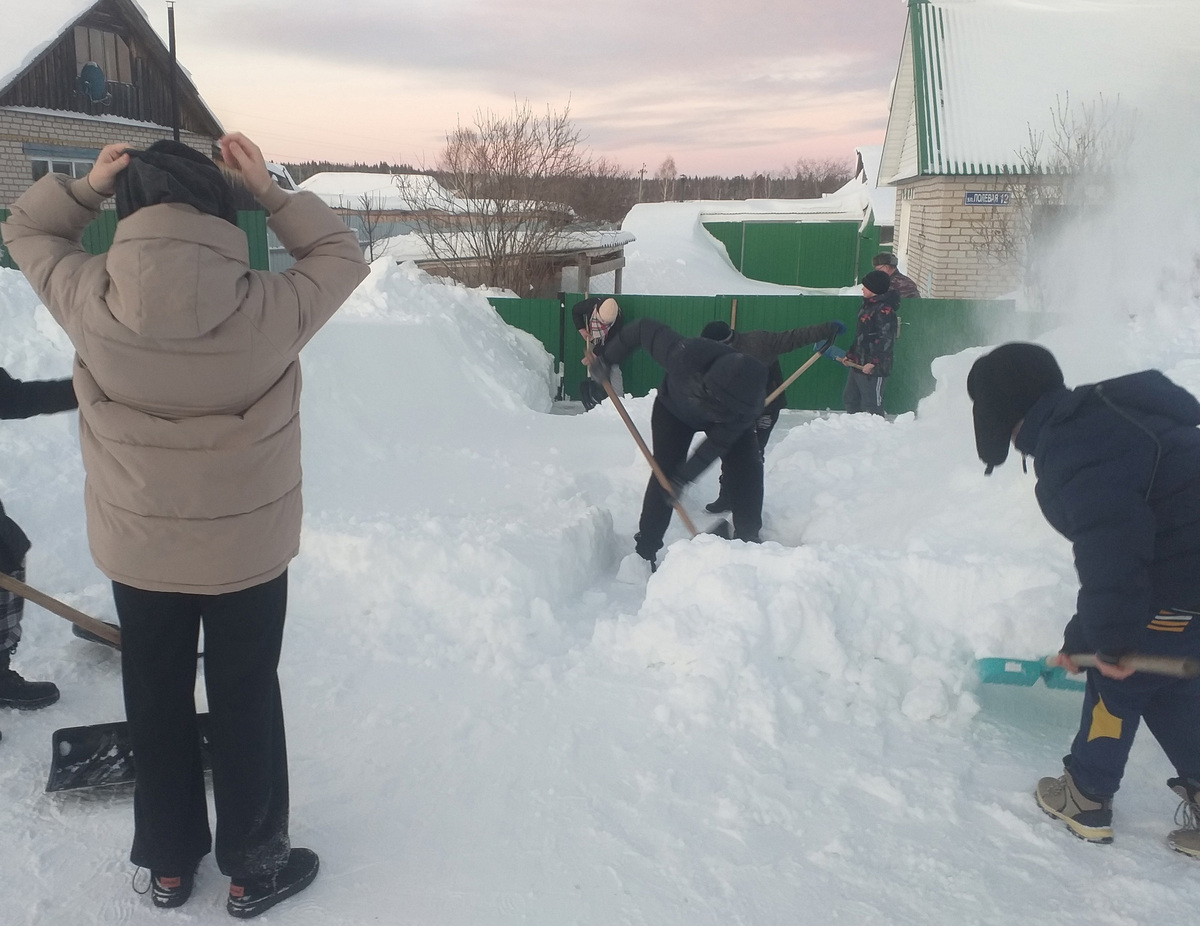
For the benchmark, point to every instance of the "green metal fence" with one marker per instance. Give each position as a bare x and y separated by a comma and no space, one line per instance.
929,328
98,236
816,254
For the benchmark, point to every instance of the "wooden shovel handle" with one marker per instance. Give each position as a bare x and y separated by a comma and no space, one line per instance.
53,605
1174,666
657,470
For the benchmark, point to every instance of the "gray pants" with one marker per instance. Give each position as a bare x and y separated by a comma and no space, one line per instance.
863,393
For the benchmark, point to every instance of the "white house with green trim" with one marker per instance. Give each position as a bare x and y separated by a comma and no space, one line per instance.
976,80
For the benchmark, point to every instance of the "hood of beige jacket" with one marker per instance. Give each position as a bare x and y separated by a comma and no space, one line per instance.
174,272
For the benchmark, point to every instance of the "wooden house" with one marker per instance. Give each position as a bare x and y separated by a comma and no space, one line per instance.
76,75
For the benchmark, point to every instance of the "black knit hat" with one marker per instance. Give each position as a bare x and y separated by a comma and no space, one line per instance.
171,172
877,282
1004,385
717,331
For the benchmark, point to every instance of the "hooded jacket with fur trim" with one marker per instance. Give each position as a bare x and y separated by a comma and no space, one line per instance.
187,375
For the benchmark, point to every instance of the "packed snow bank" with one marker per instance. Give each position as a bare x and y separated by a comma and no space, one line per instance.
486,724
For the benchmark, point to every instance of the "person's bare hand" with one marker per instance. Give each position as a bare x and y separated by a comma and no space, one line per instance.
867,368
111,161
241,154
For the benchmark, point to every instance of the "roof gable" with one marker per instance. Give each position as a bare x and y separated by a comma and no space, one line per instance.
976,77
35,34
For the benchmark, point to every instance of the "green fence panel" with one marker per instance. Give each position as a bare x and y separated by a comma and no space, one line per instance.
254,223
816,254
98,236
540,317
730,235
773,252
6,260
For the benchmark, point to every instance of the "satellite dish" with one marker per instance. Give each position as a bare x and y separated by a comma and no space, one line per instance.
92,83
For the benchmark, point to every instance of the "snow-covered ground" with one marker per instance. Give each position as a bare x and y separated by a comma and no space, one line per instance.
494,718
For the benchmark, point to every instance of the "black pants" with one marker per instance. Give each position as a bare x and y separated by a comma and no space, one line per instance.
742,466
243,632
764,424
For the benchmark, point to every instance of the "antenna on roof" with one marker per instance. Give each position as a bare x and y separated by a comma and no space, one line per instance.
93,84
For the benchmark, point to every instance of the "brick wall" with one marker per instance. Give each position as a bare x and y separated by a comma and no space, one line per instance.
19,127
942,247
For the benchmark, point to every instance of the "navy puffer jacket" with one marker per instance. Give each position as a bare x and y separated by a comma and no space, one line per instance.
708,386
1118,469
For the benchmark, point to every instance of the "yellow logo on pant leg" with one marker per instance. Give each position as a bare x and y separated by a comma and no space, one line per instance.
1103,723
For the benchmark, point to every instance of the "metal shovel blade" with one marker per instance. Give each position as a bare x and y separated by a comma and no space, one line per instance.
101,756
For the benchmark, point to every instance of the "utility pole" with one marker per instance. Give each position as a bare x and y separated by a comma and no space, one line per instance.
641,179
174,71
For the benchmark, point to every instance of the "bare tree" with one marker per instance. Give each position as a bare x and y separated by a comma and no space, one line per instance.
1056,179
666,175
508,177
367,214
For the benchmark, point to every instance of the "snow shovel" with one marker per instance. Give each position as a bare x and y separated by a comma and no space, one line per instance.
817,352
835,353
1027,672
107,633
721,528
100,755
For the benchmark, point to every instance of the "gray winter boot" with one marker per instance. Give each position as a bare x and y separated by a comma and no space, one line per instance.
1086,818
1186,839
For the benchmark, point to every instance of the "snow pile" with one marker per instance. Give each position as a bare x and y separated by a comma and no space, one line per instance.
493,718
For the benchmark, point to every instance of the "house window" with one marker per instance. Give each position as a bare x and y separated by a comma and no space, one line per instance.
53,159
107,49
76,169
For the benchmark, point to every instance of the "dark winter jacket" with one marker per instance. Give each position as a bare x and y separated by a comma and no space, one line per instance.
581,315
708,386
767,346
40,397
24,400
901,287
875,335
1118,468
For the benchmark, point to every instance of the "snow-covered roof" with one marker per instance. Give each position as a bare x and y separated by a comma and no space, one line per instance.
976,76
571,240
883,199
389,192
33,29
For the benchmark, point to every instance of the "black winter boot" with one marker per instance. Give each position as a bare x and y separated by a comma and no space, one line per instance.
250,897
18,693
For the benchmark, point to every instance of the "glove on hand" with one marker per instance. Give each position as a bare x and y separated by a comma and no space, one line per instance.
665,498
600,370
839,327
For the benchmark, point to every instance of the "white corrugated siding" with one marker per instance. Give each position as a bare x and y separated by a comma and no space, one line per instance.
989,71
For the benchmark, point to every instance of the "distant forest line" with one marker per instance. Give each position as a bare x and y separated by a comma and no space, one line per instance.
606,194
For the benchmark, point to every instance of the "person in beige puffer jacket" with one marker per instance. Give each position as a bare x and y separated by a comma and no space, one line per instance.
188,379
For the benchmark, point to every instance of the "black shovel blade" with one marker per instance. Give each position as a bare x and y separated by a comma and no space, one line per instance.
722,529
100,755
96,638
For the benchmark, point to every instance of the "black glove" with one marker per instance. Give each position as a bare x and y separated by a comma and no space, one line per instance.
665,498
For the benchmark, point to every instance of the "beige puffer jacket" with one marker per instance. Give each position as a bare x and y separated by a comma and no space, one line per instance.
188,377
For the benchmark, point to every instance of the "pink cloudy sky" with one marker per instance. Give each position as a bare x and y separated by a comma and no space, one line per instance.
722,87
